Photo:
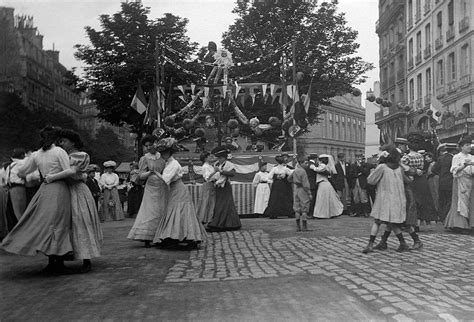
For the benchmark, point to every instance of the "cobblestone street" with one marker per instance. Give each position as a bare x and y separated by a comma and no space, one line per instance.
265,271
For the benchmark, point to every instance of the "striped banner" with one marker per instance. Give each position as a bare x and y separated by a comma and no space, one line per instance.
243,193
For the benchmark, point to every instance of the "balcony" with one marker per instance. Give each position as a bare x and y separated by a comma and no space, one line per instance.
450,33
419,103
452,87
418,15
427,52
439,43
410,64
418,59
464,24
400,75
427,7
465,81
427,100
440,92
410,23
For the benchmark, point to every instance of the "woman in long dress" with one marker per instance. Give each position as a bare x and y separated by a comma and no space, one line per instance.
280,203
86,231
180,224
45,224
225,215
111,205
261,182
153,206
461,213
328,204
433,179
207,196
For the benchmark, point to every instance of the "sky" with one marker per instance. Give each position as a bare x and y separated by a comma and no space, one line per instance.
62,22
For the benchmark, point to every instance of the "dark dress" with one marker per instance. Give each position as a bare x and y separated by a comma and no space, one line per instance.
280,203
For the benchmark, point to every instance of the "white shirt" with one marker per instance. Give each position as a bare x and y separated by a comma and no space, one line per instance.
173,171
280,170
109,180
51,161
458,163
261,177
343,165
207,170
12,172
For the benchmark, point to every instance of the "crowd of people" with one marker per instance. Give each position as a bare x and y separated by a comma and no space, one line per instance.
52,202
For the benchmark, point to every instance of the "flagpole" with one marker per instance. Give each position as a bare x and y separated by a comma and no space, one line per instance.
293,49
158,77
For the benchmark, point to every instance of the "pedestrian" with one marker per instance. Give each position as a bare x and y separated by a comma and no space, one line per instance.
4,226
390,202
433,179
180,225
280,203
312,159
328,203
207,195
461,213
225,215
93,185
357,181
154,202
301,194
340,181
45,224
86,233
135,191
111,205
442,168
261,183
15,184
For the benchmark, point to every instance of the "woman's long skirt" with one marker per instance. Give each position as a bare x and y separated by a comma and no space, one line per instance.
328,204
280,203
86,231
134,200
225,214
152,210
433,184
3,213
424,201
45,225
111,205
206,202
180,222
454,219
262,196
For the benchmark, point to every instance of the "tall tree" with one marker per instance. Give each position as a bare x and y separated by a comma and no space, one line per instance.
325,46
122,53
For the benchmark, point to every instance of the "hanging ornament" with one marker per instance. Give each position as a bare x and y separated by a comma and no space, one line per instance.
232,124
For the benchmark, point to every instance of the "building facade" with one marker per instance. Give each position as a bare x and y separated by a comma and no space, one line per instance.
342,129
29,70
372,132
438,40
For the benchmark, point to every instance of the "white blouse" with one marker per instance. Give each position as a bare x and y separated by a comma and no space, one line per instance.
51,161
280,170
261,177
173,171
207,171
458,163
109,180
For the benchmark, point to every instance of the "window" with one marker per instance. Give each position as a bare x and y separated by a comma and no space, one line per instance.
440,73
428,81
452,66
412,90
410,50
450,13
439,24
418,43
428,36
465,66
419,86
410,12
466,109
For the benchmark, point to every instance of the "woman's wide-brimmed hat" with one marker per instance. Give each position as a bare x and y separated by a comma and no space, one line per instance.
220,151
167,144
110,164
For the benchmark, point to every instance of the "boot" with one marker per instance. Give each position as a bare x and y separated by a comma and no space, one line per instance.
86,266
305,225
403,245
417,245
382,245
369,248
298,225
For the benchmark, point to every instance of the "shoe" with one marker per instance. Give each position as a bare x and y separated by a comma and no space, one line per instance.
305,226
403,248
381,246
417,245
86,266
368,249
147,244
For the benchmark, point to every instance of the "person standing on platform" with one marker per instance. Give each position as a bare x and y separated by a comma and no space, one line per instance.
280,203
312,159
207,197
461,213
154,202
225,215
261,182
301,194
111,205
442,168
15,184
340,181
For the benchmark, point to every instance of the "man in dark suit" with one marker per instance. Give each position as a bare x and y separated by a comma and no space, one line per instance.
445,190
340,181
313,159
357,180
92,184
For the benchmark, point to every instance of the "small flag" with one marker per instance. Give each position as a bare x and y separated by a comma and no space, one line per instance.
139,101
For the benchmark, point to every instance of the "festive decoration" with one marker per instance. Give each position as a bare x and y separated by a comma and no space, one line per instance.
199,132
356,92
169,121
371,98
188,124
232,123
379,100
438,113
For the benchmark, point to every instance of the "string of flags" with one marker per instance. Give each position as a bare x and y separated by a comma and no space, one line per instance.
184,70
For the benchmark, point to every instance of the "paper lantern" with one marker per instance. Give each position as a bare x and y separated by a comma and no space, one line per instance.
379,100
232,123
199,132
429,112
169,121
188,124
299,76
407,108
438,113
371,98
274,121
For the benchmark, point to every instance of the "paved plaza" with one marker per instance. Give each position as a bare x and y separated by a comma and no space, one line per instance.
264,272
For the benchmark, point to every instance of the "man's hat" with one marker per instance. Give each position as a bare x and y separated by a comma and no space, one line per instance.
312,156
401,141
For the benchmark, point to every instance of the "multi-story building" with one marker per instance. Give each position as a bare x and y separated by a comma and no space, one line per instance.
438,43
29,70
342,129
372,132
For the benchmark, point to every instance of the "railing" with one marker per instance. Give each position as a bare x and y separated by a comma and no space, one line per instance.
439,42
418,58
410,64
427,6
452,86
464,24
450,33
440,92
427,52
465,81
427,100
